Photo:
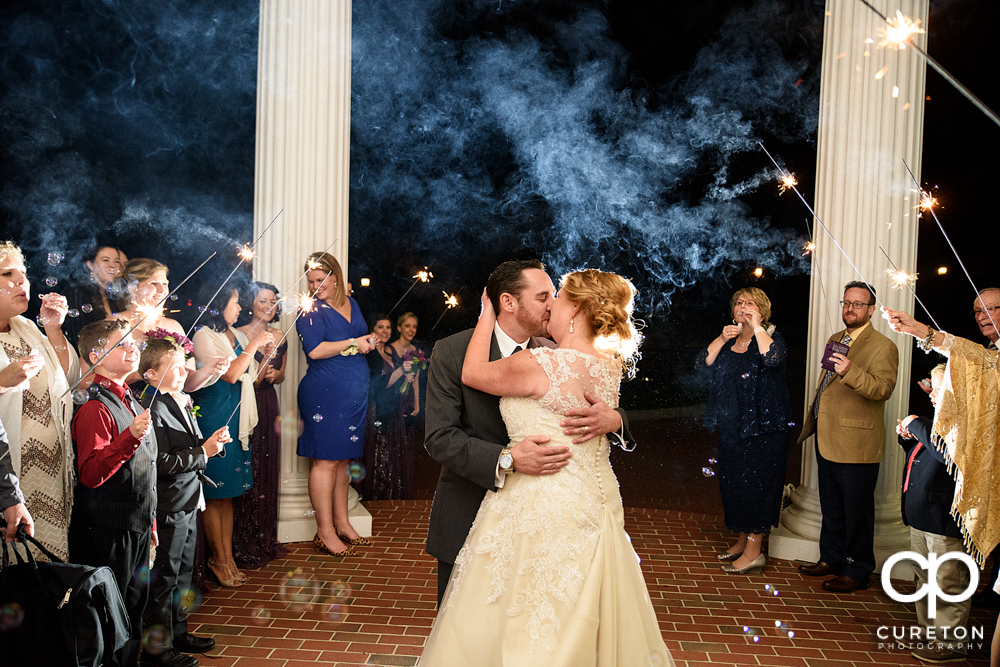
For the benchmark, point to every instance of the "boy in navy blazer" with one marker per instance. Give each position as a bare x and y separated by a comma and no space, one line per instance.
928,491
180,464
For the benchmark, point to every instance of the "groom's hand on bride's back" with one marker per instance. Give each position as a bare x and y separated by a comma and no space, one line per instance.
533,457
593,422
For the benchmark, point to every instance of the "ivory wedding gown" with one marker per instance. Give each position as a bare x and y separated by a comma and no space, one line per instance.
548,576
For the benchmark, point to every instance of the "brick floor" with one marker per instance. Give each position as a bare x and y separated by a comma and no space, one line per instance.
311,608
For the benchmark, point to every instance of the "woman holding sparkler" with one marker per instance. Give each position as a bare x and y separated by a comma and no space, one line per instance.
255,535
748,402
35,405
230,403
388,454
333,399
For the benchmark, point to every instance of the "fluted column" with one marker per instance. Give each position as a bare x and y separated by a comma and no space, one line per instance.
302,166
871,118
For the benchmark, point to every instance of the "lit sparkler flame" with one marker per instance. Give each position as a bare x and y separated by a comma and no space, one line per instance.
152,313
312,265
900,279
927,202
450,300
424,276
788,182
305,302
246,253
808,248
899,30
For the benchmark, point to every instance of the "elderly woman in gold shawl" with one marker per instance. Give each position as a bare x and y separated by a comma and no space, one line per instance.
966,421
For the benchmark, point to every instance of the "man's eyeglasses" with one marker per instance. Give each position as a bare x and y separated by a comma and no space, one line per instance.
856,305
976,312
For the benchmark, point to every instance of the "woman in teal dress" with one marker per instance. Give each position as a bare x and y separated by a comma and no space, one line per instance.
229,401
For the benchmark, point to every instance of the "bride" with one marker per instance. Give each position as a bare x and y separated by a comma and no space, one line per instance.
548,575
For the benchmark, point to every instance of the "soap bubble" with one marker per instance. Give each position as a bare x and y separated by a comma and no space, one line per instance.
708,472
141,575
188,599
72,312
317,417
11,616
335,612
173,297
51,282
141,345
80,397
86,308
154,639
354,438
202,309
745,376
55,258
300,593
213,312
352,427
260,616
378,424
357,471
712,461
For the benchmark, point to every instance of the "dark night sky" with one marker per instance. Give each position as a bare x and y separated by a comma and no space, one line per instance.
115,115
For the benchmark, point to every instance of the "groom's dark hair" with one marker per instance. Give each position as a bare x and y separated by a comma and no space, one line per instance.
508,278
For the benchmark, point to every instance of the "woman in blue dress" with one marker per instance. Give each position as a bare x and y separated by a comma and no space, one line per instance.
333,400
227,400
748,402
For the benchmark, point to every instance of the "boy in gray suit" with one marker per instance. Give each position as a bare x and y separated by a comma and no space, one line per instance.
465,432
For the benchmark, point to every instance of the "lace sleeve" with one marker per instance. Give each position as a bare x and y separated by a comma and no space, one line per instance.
699,362
776,354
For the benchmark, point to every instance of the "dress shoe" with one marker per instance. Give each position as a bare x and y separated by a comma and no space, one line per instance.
356,542
188,643
819,569
844,584
755,567
169,658
727,557
937,653
349,552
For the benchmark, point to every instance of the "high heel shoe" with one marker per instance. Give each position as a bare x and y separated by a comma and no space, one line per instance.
756,566
356,542
349,552
239,575
225,577
727,557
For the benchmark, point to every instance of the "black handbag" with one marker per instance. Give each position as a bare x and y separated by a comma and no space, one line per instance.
58,613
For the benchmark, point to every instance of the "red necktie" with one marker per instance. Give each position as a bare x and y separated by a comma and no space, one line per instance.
909,464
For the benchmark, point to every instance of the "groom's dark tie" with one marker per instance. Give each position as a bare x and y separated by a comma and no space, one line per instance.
518,348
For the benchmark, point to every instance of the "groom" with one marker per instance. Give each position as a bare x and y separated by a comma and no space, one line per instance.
465,432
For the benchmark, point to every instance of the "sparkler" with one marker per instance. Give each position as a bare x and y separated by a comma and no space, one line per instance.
246,253
450,301
787,182
899,279
421,277
304,302
930,208
899,31
822,224
904,28
808,248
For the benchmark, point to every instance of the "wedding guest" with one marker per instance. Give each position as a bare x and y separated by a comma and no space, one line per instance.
36,406
93,295
401,350
255,534
333,400
226,400
748,403
388,453
142,306
928,491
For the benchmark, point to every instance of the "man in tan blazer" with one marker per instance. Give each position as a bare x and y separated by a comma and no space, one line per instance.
847,417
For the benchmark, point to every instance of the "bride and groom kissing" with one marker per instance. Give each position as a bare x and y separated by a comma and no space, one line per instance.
527,524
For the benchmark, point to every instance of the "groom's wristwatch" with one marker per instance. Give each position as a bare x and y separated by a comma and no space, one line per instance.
506,461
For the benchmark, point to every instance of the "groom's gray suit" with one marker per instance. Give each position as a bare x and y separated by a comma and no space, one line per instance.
465,434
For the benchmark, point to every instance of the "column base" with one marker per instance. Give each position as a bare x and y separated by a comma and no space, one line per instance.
303,529
788,545
785,544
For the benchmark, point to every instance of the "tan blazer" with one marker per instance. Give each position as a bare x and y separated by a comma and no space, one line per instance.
851,422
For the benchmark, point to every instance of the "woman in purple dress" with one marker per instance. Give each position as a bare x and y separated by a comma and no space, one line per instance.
255,537
333,400
388,453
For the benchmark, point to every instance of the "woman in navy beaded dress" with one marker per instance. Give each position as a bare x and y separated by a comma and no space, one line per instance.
333,400
748,403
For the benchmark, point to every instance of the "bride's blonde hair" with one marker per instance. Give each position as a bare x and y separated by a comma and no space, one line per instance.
606,300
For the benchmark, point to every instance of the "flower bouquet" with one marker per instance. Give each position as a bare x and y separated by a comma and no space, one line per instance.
418,362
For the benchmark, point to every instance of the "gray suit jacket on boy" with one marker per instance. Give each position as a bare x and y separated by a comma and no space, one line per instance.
465,434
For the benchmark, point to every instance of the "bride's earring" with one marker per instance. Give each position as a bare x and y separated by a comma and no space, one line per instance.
571,325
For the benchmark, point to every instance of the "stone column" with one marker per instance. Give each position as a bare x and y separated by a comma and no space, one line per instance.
871,118
302,166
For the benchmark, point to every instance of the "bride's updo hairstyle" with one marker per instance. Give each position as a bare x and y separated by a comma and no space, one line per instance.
606,300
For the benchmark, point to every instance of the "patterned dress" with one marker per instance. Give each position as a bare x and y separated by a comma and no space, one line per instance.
42,460
548,576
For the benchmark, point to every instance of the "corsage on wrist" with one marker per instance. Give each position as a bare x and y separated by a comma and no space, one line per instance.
352,348
928,342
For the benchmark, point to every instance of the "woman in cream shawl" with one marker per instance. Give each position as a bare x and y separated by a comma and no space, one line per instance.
36,406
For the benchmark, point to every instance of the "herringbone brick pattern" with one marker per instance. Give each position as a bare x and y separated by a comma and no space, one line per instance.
311,608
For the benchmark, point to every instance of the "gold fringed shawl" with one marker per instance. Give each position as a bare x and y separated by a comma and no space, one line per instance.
966,420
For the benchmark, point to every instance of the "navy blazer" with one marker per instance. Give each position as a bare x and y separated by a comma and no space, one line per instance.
180,461
926,504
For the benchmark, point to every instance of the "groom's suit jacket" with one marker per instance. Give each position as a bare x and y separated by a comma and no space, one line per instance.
465,434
